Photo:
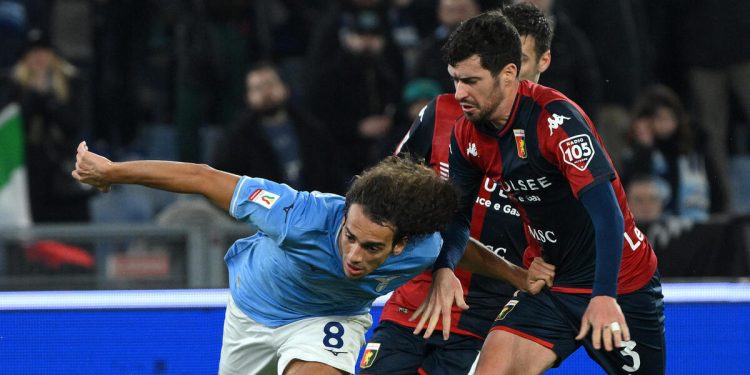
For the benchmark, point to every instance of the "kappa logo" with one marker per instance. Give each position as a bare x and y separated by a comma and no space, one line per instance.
384,282
368,357
472,150
555,121
263,197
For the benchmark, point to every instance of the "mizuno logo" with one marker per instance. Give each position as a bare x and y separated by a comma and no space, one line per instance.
555,121
336,353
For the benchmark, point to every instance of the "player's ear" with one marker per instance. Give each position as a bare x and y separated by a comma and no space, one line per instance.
544,61
509,73
398,248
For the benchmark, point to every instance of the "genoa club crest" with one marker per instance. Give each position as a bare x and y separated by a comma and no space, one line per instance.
520,136
368,357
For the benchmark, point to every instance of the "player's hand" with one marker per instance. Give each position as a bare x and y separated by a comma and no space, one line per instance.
445,289
607,323
540,273
90,168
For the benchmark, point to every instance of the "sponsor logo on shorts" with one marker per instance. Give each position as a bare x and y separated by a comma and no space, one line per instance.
507,309
334,352
264,198
368,357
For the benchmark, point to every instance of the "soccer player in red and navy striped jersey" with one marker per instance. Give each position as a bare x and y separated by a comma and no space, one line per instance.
495,223
545,153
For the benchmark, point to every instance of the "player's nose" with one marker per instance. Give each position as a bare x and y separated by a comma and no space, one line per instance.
461,92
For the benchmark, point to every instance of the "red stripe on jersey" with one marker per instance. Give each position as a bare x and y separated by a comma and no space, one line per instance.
537,340
562,289
420,371
447,111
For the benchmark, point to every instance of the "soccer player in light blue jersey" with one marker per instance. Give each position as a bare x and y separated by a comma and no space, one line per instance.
302,286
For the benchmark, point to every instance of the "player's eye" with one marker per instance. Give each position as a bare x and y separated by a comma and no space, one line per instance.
372,248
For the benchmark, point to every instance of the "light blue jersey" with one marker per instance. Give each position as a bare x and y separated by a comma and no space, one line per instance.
292,269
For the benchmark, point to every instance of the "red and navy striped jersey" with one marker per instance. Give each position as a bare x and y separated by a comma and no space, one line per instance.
495,222
544,158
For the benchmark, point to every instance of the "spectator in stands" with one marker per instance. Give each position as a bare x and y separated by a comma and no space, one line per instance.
647,197
415,96
215,42
47,88
716,51
289,144
429,63
356,90
662,143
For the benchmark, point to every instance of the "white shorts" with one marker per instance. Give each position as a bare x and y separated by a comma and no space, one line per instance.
249,347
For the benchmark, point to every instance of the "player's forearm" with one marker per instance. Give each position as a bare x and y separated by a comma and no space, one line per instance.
176,177
601,204
477,259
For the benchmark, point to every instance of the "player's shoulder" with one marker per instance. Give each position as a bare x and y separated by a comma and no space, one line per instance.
540,94
316,210
427,246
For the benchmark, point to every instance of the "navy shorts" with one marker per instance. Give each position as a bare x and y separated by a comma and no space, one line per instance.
394,350
553,319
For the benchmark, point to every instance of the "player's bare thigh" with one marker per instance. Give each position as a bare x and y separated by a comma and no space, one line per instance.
298,367
507,353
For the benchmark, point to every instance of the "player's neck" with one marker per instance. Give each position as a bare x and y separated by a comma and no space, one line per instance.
503,112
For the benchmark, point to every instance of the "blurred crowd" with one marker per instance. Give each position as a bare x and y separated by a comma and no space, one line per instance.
311,92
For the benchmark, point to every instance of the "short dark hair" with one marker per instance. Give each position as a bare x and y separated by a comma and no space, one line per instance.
657,96
407,196
529,20
489,35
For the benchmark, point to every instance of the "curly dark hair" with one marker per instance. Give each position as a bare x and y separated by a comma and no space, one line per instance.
404,195
489,35
529,20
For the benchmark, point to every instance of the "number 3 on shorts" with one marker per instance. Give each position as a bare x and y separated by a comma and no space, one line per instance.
334,335
627,351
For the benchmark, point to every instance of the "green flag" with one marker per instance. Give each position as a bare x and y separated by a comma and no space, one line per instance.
14,190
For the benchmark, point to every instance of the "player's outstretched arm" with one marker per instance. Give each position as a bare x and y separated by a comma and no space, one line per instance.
177,177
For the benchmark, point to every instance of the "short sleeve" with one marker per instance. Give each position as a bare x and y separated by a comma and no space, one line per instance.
263,204
418,141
